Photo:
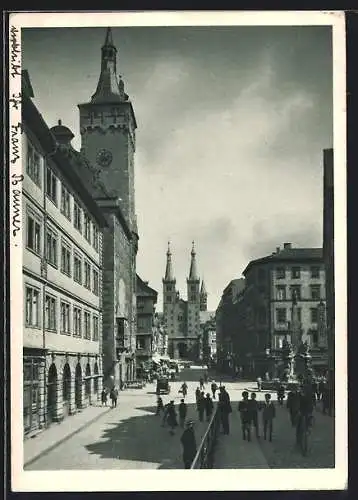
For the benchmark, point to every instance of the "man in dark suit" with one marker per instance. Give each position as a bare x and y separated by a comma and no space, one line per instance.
268,414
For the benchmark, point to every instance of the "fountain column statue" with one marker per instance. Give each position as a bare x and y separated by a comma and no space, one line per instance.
295,330
287,358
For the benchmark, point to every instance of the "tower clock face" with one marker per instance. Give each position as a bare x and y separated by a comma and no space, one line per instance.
104,157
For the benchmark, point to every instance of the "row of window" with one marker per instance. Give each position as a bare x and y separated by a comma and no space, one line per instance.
280,272
81,220
312,340
281,315
80,323
75,264
295,291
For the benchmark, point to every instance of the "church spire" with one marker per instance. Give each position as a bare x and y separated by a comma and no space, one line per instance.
193,274
169,276
203,297
110,88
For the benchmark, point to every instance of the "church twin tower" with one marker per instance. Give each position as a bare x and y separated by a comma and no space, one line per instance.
182,318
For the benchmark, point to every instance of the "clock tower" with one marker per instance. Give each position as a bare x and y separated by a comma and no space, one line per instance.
107,125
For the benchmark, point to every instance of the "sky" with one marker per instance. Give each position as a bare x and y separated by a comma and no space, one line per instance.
232,123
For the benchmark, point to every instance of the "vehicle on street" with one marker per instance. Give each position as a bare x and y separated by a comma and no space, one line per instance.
163,386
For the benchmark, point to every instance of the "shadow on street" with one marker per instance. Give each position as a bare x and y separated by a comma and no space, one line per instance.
144,439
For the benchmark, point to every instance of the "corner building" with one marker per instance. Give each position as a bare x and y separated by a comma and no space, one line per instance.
62,275
182,318
107,125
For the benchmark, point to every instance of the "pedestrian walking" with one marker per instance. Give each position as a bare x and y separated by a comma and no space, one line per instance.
293,405
104,395
269,413
197,397
160,406
165,414
114,395
225,409
259,383
304,413
281,394
253,408
201,406
325,399
214,388
201,382
209,406
243,408
184,389
172,418
182,412
206,377
320,389
189,444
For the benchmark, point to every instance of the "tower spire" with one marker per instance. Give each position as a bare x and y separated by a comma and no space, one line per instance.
203,297
109,40
203,288
110,88
193,273
169,276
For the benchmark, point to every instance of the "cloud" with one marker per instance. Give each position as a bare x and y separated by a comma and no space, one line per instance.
232,122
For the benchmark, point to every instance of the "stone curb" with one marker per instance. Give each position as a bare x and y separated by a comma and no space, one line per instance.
65,438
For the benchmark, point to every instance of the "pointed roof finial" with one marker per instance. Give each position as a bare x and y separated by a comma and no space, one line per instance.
110,87
169,276
193,248
203,289
109,39
193,274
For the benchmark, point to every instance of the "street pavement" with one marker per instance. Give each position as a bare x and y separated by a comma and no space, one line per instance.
130,436
233,452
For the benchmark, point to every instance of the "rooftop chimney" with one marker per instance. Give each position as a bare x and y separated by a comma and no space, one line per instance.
286,246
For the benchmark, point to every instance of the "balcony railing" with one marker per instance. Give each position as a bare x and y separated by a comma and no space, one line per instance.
204,457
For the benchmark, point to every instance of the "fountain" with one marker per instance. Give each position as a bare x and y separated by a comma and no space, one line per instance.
296,359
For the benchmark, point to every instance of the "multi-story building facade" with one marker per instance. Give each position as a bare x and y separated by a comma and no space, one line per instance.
328,256
208,336
226,321
182,317
260,317
62,276
106,165
160,337
273,283
146,301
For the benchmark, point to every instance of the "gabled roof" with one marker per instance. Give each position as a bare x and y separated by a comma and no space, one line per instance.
36,123
292,255
143,289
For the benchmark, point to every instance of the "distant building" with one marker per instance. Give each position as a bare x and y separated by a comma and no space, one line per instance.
208,336
62,277
226,320
160,337
146,301
260,317
182,318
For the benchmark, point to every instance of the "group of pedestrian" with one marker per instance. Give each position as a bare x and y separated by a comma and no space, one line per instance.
204,405
249,414
113,395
